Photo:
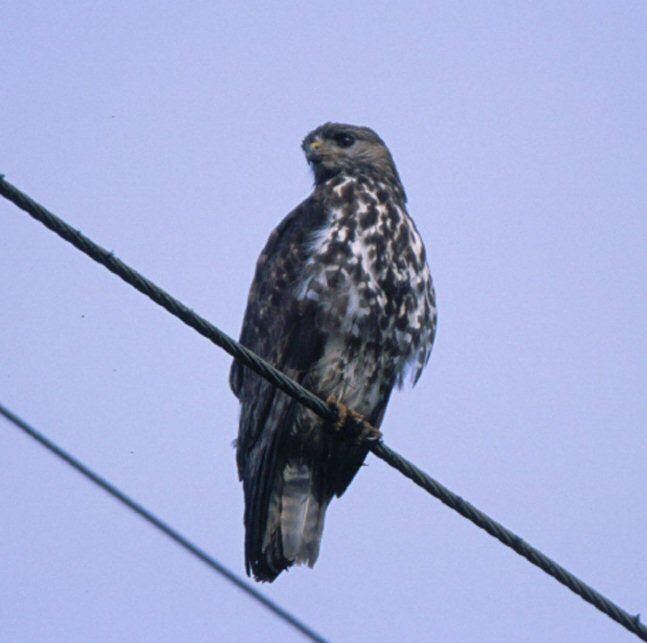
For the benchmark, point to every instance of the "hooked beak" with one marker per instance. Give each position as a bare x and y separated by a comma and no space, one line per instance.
313,151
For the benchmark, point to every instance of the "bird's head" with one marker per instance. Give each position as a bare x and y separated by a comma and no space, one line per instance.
334,148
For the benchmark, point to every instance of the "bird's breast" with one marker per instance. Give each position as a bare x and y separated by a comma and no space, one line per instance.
366,270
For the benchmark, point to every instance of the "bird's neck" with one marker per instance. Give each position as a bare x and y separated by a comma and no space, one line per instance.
388,179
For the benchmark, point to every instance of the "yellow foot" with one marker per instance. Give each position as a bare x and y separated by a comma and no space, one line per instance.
352,423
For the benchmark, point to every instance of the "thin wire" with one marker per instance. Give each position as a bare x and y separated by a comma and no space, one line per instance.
161,525
308,399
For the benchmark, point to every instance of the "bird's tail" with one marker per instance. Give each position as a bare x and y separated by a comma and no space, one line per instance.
302,515
288,529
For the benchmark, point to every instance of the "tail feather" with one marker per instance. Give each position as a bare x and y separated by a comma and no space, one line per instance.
290,525
302,515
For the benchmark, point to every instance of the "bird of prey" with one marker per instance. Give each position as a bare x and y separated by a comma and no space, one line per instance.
342,301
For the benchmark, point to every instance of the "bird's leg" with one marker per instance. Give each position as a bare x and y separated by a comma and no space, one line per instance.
351,423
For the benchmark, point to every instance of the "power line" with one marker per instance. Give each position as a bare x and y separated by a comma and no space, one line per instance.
308,399
166,529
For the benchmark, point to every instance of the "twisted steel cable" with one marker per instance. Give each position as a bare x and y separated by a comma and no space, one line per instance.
326,411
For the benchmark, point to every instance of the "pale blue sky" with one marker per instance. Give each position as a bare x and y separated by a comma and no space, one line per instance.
171,136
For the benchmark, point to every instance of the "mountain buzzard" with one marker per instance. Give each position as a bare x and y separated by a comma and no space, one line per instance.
342,301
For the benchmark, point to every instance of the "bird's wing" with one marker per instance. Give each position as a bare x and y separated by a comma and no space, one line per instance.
277,326
284,331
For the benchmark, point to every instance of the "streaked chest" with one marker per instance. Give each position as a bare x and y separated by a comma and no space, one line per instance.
366,265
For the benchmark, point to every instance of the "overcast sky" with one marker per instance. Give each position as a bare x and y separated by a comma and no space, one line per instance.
171,136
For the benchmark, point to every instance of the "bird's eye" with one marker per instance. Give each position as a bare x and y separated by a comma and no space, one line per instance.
344,139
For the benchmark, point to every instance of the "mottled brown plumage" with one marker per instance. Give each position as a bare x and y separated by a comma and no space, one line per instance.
342,301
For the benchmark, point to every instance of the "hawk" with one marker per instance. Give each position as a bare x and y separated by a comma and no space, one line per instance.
342,301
